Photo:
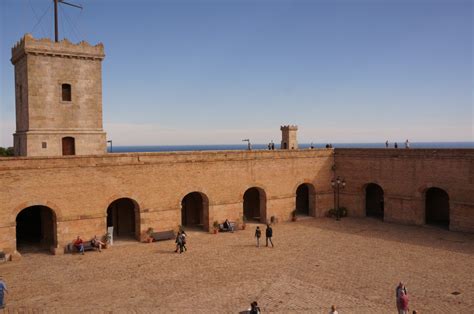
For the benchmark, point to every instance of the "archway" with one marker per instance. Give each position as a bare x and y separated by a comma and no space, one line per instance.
255,205
35,229
305,195
124,215
195,211
437,207
374,201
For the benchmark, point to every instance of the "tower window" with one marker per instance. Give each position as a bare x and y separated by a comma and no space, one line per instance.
66,92
44,145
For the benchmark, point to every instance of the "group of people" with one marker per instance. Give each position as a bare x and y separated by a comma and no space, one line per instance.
181,242
268,235
95,242
271,146
395,145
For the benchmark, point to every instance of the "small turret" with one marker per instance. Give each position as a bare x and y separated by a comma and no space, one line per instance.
288,137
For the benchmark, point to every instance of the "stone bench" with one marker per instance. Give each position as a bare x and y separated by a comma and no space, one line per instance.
163,235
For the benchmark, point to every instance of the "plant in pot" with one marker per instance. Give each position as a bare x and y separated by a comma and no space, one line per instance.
216,226
244,222
293,215
147,235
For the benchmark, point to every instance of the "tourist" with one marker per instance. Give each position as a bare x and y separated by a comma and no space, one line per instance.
254,309
177,241
269,146
407,144
395,145
3,289
258,234
398,293
273,145
414,312
97,243
386,144
403,302
79,245
228,226
327,145
183,242
311,146
333,310
268,235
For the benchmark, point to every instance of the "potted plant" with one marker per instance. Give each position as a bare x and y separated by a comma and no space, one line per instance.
244,221
106,239
147,235
216,226
293,215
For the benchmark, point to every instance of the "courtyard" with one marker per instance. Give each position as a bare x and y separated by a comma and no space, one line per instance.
354,263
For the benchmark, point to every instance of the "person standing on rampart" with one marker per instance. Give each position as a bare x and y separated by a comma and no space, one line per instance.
407,144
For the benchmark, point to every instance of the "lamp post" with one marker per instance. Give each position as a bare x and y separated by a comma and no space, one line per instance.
110,141
337,185
249,146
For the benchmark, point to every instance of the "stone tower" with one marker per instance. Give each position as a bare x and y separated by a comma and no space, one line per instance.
58,93
288,137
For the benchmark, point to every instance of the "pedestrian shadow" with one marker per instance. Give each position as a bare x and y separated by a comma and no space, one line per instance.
166,252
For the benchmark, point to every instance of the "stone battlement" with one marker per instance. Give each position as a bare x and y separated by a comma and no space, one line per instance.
289,127
45,46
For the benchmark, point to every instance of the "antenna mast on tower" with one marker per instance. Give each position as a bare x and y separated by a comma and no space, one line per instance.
56,33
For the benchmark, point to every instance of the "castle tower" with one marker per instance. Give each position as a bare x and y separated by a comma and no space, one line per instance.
58,93
288,137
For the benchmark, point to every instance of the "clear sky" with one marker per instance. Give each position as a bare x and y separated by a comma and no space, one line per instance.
217,71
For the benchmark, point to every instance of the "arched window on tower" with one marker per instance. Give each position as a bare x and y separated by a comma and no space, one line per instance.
66,92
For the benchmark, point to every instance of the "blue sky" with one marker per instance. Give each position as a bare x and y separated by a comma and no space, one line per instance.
215,72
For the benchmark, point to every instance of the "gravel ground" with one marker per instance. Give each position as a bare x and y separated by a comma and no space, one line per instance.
353,263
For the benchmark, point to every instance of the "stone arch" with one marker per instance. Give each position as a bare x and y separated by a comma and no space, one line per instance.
195,210
437,211
374,200
255,204
305,199
36,229
124,215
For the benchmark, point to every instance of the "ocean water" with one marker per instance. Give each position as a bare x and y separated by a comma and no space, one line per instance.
178,148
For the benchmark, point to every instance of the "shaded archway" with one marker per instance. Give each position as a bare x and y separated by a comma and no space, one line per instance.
35,229
437,207
195,211
255,205
374,201
305,197
124,215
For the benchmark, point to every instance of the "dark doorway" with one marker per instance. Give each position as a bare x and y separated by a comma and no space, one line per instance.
305,200
374,201
437,207
194,211
255,205
123,214
69,147
35,229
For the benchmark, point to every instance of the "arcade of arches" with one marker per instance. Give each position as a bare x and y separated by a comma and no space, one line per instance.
124,215
35,228
374,201
195,210
437,207
305,197
255,205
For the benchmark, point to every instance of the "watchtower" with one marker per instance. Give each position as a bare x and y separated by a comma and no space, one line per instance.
58,94
288,137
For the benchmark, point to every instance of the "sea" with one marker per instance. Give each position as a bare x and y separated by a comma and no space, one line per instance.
180,148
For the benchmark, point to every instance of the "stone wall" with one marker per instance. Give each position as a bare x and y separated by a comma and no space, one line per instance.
405,175
79,189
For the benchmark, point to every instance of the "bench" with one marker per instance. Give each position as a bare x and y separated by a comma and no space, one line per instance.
87,247
163,235
233,227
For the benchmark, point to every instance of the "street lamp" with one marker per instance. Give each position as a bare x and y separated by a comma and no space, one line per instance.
249,146
110,141
337,185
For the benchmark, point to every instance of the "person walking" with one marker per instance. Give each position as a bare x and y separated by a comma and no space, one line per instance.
3,289
407,144
254,309
398,293
268,235
258,234
333,310
403,303
386,144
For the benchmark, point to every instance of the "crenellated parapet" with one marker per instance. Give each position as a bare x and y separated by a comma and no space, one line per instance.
45,46
289,128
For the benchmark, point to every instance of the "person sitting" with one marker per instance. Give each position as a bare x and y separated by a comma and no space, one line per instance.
79,245
97,243
228,226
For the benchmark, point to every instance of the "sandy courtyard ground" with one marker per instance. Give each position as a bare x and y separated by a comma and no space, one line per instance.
353,263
